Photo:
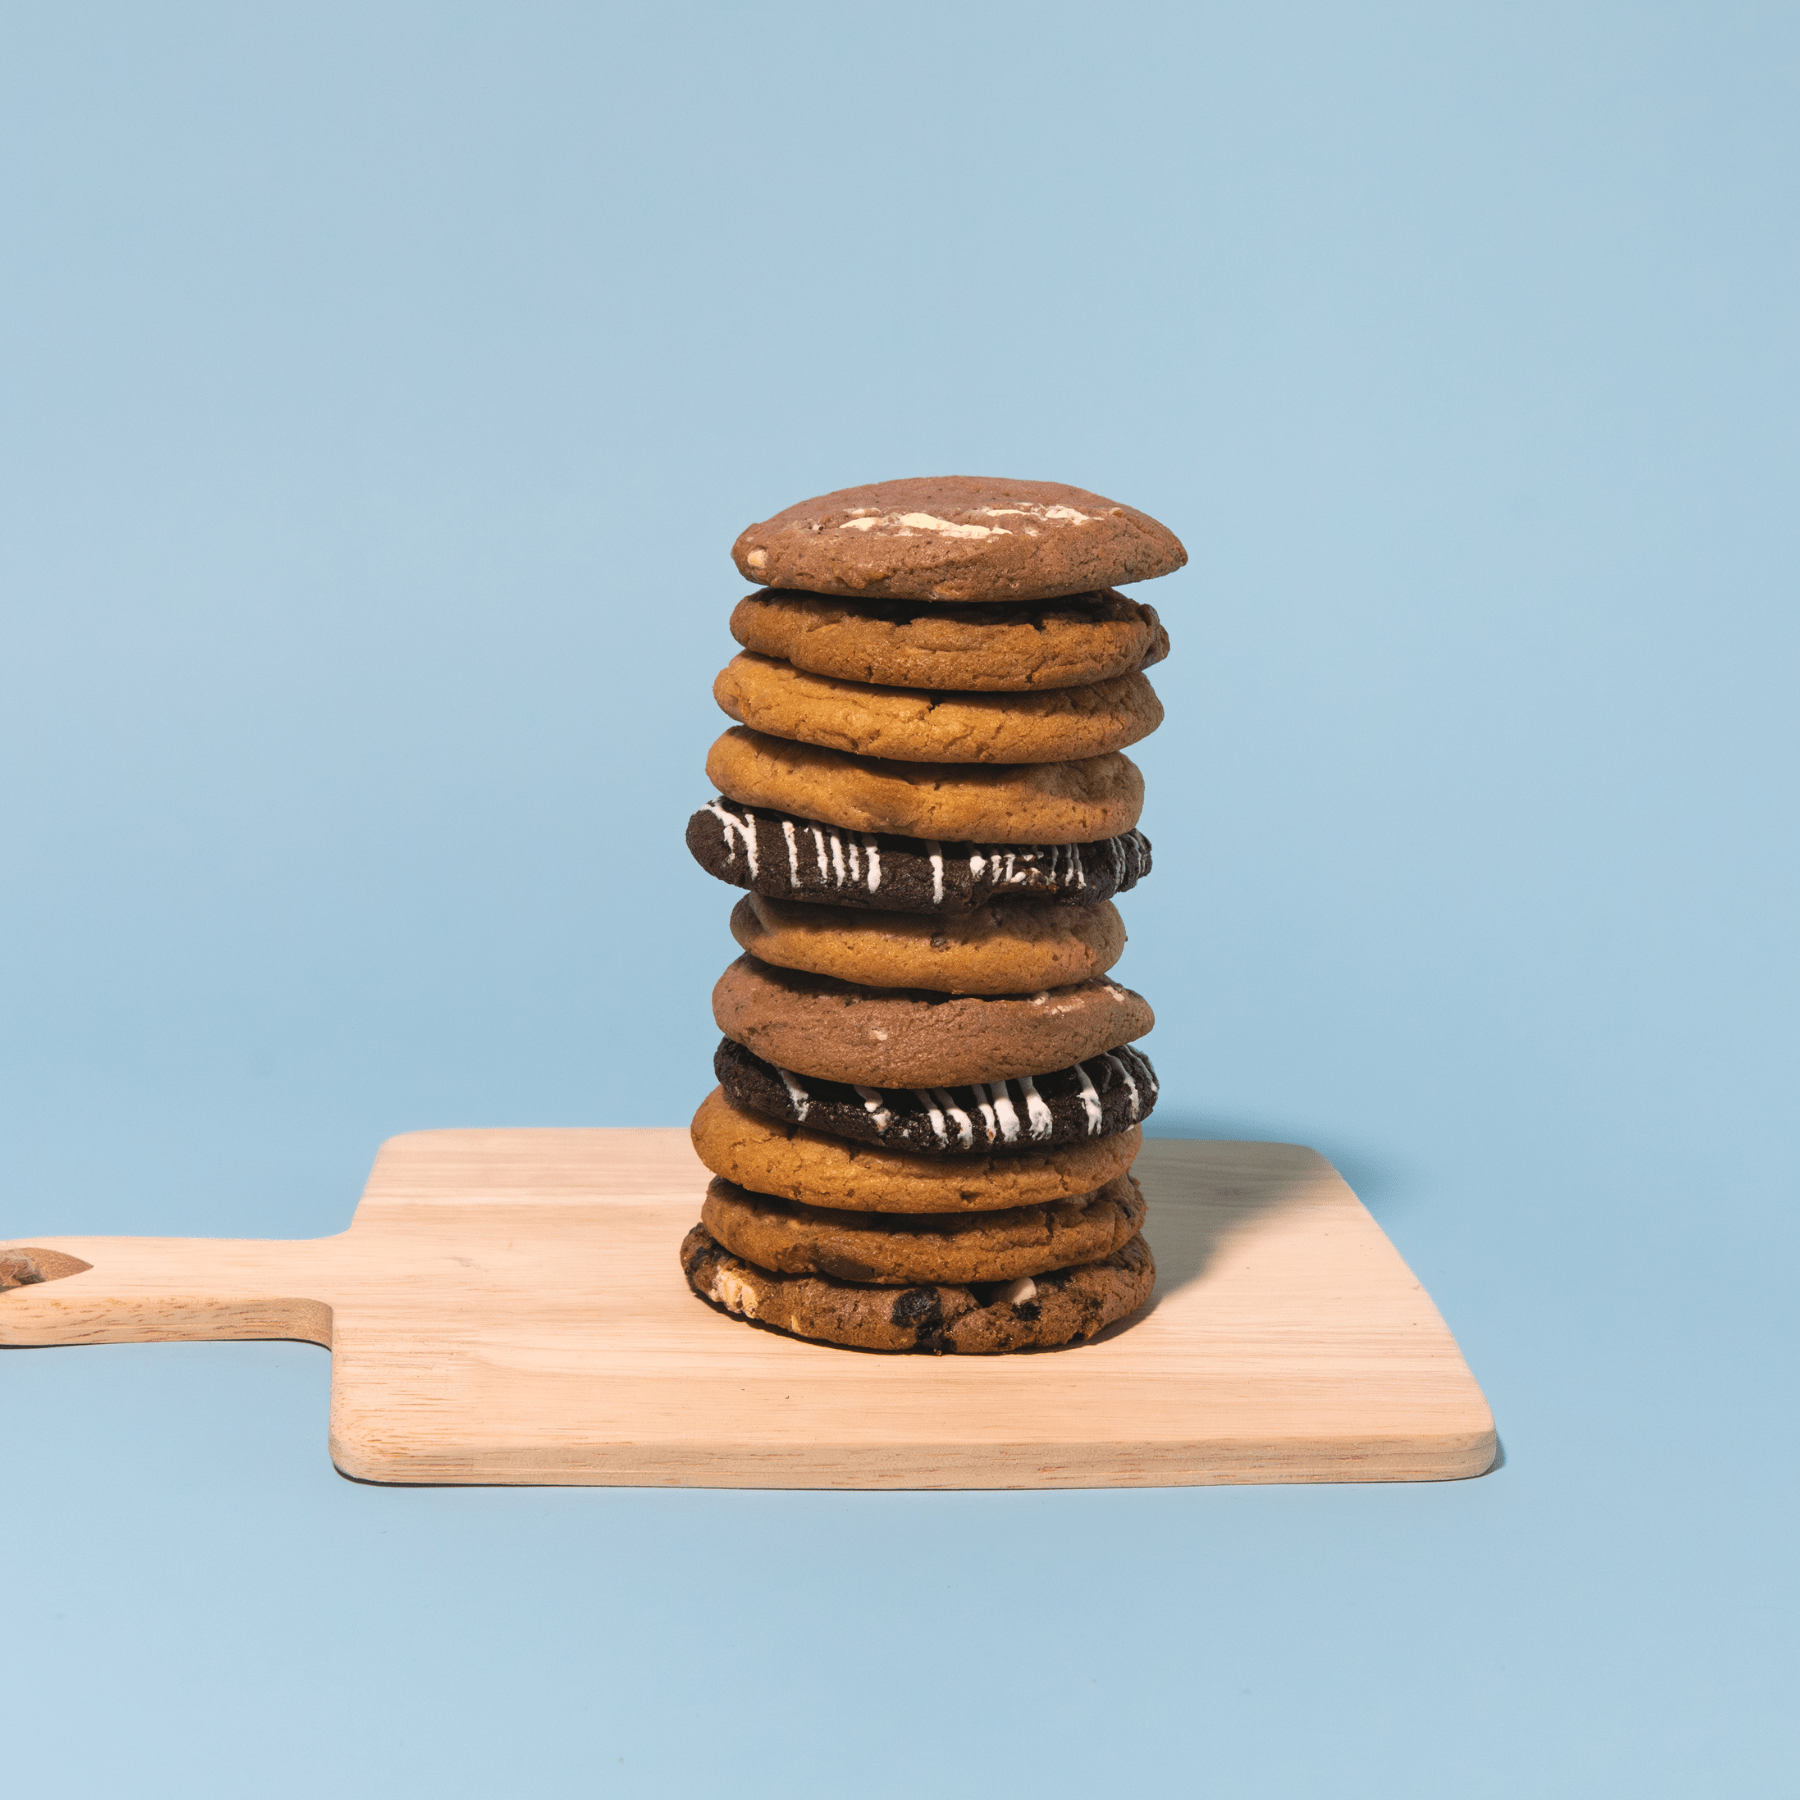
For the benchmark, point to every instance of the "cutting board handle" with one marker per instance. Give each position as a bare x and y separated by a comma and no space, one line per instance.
145,1290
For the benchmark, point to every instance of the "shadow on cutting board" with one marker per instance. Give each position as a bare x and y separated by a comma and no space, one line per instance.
1186,1233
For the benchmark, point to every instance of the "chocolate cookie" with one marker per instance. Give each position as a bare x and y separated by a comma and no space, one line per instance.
1093,1099
907,725
1012,803
787,1237
794,858
1031,1313
955,649
957,537
771,1158
912,1038
1005,947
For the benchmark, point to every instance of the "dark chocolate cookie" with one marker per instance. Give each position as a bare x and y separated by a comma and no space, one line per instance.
1067,1306
791,858
1093,1099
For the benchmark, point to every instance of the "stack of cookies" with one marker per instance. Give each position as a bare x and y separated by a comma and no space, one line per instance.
929,1097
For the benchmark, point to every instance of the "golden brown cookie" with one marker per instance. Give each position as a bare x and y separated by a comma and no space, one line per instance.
1070,642
957,537
769,1157
908,1038
1005,947
1012,803
788,1237
905,725
1067,1306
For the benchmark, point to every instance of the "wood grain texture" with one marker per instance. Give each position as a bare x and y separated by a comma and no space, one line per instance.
506,1306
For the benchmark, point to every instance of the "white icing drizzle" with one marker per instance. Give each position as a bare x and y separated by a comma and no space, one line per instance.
937,870
1003,1111
871,1099
801,1099
923,1096
818,838
874,851
793,849
990,1129
837,859
1075,867
1143,1068
734,828
977,863
1037,1114
1090,1099
965,1126
1131,1087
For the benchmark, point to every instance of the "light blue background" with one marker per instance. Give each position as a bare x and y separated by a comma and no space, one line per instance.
382,388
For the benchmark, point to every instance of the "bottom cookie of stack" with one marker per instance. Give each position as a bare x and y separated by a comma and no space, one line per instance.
977,1282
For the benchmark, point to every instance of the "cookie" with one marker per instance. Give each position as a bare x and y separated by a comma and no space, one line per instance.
1005,947
907,725
955,649
1032,1313
1092,1099
767,1157
803,859
957,537
1010,803
787,1237
912,1038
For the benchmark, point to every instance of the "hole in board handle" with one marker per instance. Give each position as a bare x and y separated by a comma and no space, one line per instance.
26,1266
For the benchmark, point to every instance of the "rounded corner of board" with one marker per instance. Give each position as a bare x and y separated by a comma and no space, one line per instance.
358,1462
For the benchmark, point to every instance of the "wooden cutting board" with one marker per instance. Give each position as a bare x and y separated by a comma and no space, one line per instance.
506,1306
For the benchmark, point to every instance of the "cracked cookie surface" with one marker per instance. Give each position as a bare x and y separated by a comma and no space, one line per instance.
1062,724
1018,648
1005,947
1064,1307
768,1156
912,1038
996,803
788,1237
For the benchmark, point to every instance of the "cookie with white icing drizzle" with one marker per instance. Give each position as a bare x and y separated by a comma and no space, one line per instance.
1097,1098
789,1237
789,857
913,1038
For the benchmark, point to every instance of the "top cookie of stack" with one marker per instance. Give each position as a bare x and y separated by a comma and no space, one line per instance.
928,1102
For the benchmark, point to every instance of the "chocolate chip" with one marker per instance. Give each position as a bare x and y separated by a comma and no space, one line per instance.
921,1307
